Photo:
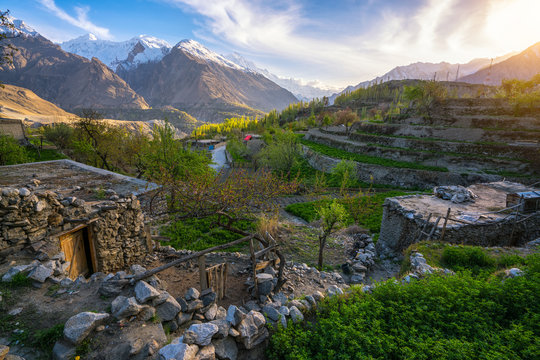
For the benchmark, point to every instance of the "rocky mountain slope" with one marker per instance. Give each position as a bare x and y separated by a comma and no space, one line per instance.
65,79
522,66
191,76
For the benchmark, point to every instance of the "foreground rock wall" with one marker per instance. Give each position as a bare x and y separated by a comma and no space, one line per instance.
406,178
401,227
34,219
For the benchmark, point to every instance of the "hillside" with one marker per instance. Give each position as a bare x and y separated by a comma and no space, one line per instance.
16,101
67,80
191,76
442,71
522,66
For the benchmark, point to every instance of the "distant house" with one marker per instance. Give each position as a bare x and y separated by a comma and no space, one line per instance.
14,128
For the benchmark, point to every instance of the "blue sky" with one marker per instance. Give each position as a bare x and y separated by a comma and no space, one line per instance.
339,42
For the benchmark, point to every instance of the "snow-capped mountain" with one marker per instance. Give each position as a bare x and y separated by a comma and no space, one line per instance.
196,49
20,28
301,89
124,54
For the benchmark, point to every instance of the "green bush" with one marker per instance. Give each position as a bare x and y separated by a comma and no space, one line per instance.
453,317
11,152
473,258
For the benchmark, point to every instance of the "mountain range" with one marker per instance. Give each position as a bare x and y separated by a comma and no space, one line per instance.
148,71
442,71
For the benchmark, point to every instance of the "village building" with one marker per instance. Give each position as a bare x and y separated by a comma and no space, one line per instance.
491,214
92,215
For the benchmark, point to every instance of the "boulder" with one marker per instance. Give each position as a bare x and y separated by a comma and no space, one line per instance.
79,326
177,350
333,290
357,278
123,307
183,318
169,309
63,350
221,313
210,314
111,287
513,272
194,305
144,292
192,294
40,273
208,297
283,310
234,315
296,315
206,353
200,334
271,312
252,330
226,349
147,313
7,277
223,328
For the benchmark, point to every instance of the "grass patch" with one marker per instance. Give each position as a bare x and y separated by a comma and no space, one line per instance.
366,210
479,261
367,159
45,339
43,155
430,138
200,234
440,317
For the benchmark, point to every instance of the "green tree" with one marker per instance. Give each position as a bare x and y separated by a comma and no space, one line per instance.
11,152
282,153
332,215
344,174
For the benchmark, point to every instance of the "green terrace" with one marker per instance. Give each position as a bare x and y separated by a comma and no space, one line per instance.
367,159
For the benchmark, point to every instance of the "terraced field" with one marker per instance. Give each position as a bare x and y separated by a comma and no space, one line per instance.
464,141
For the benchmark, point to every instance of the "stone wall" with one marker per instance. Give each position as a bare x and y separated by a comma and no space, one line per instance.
400,228
13,128
33,220
406,178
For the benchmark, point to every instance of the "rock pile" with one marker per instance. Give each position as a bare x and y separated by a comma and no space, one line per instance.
54,269
420,268
362,258
455,193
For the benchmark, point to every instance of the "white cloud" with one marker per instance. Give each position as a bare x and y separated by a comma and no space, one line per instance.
81,20
436,30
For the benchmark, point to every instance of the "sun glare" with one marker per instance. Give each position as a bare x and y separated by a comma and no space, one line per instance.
514,25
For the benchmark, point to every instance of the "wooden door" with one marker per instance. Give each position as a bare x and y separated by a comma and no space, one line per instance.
72,245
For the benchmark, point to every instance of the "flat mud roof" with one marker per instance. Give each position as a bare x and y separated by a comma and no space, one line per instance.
491,199
73,178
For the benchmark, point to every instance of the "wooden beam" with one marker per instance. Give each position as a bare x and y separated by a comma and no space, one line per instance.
189,257
260,253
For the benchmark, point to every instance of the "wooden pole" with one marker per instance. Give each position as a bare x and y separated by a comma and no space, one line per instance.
202,271
445,222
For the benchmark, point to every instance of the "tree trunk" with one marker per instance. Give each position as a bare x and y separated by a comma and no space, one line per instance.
322,243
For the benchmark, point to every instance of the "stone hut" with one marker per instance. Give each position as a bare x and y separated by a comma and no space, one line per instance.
480,217
14,128
93,216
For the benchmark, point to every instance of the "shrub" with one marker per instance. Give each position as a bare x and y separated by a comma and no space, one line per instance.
467,257
344,173
60,135
452,317
46,338
11,152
